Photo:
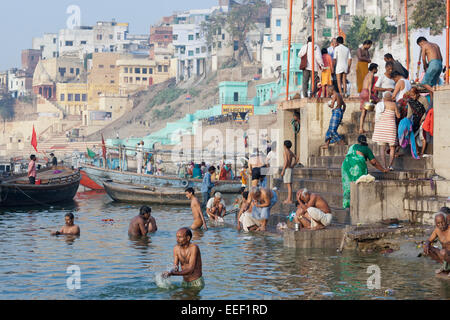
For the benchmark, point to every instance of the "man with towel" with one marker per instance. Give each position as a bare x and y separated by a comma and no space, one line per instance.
313,211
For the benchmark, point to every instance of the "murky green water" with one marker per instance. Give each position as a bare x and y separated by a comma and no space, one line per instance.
236,265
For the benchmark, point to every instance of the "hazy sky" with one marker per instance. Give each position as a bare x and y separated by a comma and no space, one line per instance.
21,20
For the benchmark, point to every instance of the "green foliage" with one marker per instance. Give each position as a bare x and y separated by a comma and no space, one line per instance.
231,63
26,99
164,114
365,29
7,107
194,93
429,14
168,95
211,27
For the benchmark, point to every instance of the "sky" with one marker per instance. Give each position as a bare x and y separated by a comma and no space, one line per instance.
21,20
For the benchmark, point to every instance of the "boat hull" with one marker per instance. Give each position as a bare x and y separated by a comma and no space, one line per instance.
18,195
142,194
100,176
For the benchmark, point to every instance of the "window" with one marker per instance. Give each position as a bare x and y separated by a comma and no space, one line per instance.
77,71
160,68
84,97
150,71
112,81
71,70
125,70
54,40
223,36
219,44
236,97
111,37
191,37
62,71
175,37
54,54
278,37
69,43
62,97
343,9
99,37
83,42
101,66
278,57
197,36
112,66
144,70
219,31
144,79
137,70
70,97
191,53
326,32
77,97
278,22
203,49
166,69
330,9
138,79
197,50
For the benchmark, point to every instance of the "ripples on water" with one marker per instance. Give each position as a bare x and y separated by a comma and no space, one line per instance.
235,265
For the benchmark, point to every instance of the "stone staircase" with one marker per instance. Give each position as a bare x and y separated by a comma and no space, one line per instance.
322,174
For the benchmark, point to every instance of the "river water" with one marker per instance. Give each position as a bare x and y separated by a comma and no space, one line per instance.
33,264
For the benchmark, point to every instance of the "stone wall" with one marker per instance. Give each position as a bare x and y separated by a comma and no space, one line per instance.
441,140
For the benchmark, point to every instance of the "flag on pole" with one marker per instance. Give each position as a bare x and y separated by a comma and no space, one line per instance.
34,140
91,154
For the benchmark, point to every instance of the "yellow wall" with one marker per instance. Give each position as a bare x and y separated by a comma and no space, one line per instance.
75,91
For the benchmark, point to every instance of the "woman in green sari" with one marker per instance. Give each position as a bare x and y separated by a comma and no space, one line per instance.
354,166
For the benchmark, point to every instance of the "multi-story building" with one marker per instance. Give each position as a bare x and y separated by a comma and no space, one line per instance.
274,38
48,44
137,73
19,83
30,59
73,97
3,82
103,76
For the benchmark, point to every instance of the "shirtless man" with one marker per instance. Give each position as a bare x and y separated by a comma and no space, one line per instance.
255,163
432,63
441,232
188,256
290,160
366,93
260,201
199,220
313,211
143,223
70,228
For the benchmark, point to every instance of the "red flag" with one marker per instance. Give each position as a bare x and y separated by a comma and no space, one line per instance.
103,147
34,140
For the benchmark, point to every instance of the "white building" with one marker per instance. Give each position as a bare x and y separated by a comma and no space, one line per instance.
274,38
19,83
48,44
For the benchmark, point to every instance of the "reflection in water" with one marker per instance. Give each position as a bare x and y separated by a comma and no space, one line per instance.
235,265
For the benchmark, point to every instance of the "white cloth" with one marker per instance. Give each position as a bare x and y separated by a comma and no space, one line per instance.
401,93
379,109
365,179
247,221
210,203
342,55
319,215
385,82
318,61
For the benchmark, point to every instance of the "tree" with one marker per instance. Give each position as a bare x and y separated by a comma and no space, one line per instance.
241,20
211,27
429,14
364,28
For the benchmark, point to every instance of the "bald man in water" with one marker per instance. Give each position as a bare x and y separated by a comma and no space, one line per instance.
187,256
196,208
313,211
441,232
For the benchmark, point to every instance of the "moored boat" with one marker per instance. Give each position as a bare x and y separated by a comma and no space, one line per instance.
126,192
94,177
53,186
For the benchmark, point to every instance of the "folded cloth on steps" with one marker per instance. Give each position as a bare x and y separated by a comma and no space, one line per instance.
366,179
319,215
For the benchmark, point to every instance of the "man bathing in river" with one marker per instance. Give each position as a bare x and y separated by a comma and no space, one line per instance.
313,211
187,256
143,223
441,232
256,213
199,220
216,207
70,228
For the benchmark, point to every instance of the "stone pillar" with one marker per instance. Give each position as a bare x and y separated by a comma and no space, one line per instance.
441,141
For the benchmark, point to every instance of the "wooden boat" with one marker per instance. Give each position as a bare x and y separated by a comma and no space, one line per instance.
94,177
56,185
127,192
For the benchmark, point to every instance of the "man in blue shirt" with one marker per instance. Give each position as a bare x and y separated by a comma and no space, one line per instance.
207,186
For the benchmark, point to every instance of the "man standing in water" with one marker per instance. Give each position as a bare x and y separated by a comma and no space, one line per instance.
441,232
70,228
199,220
188,256
143,223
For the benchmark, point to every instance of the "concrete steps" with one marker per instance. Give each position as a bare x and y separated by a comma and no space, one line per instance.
422,210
